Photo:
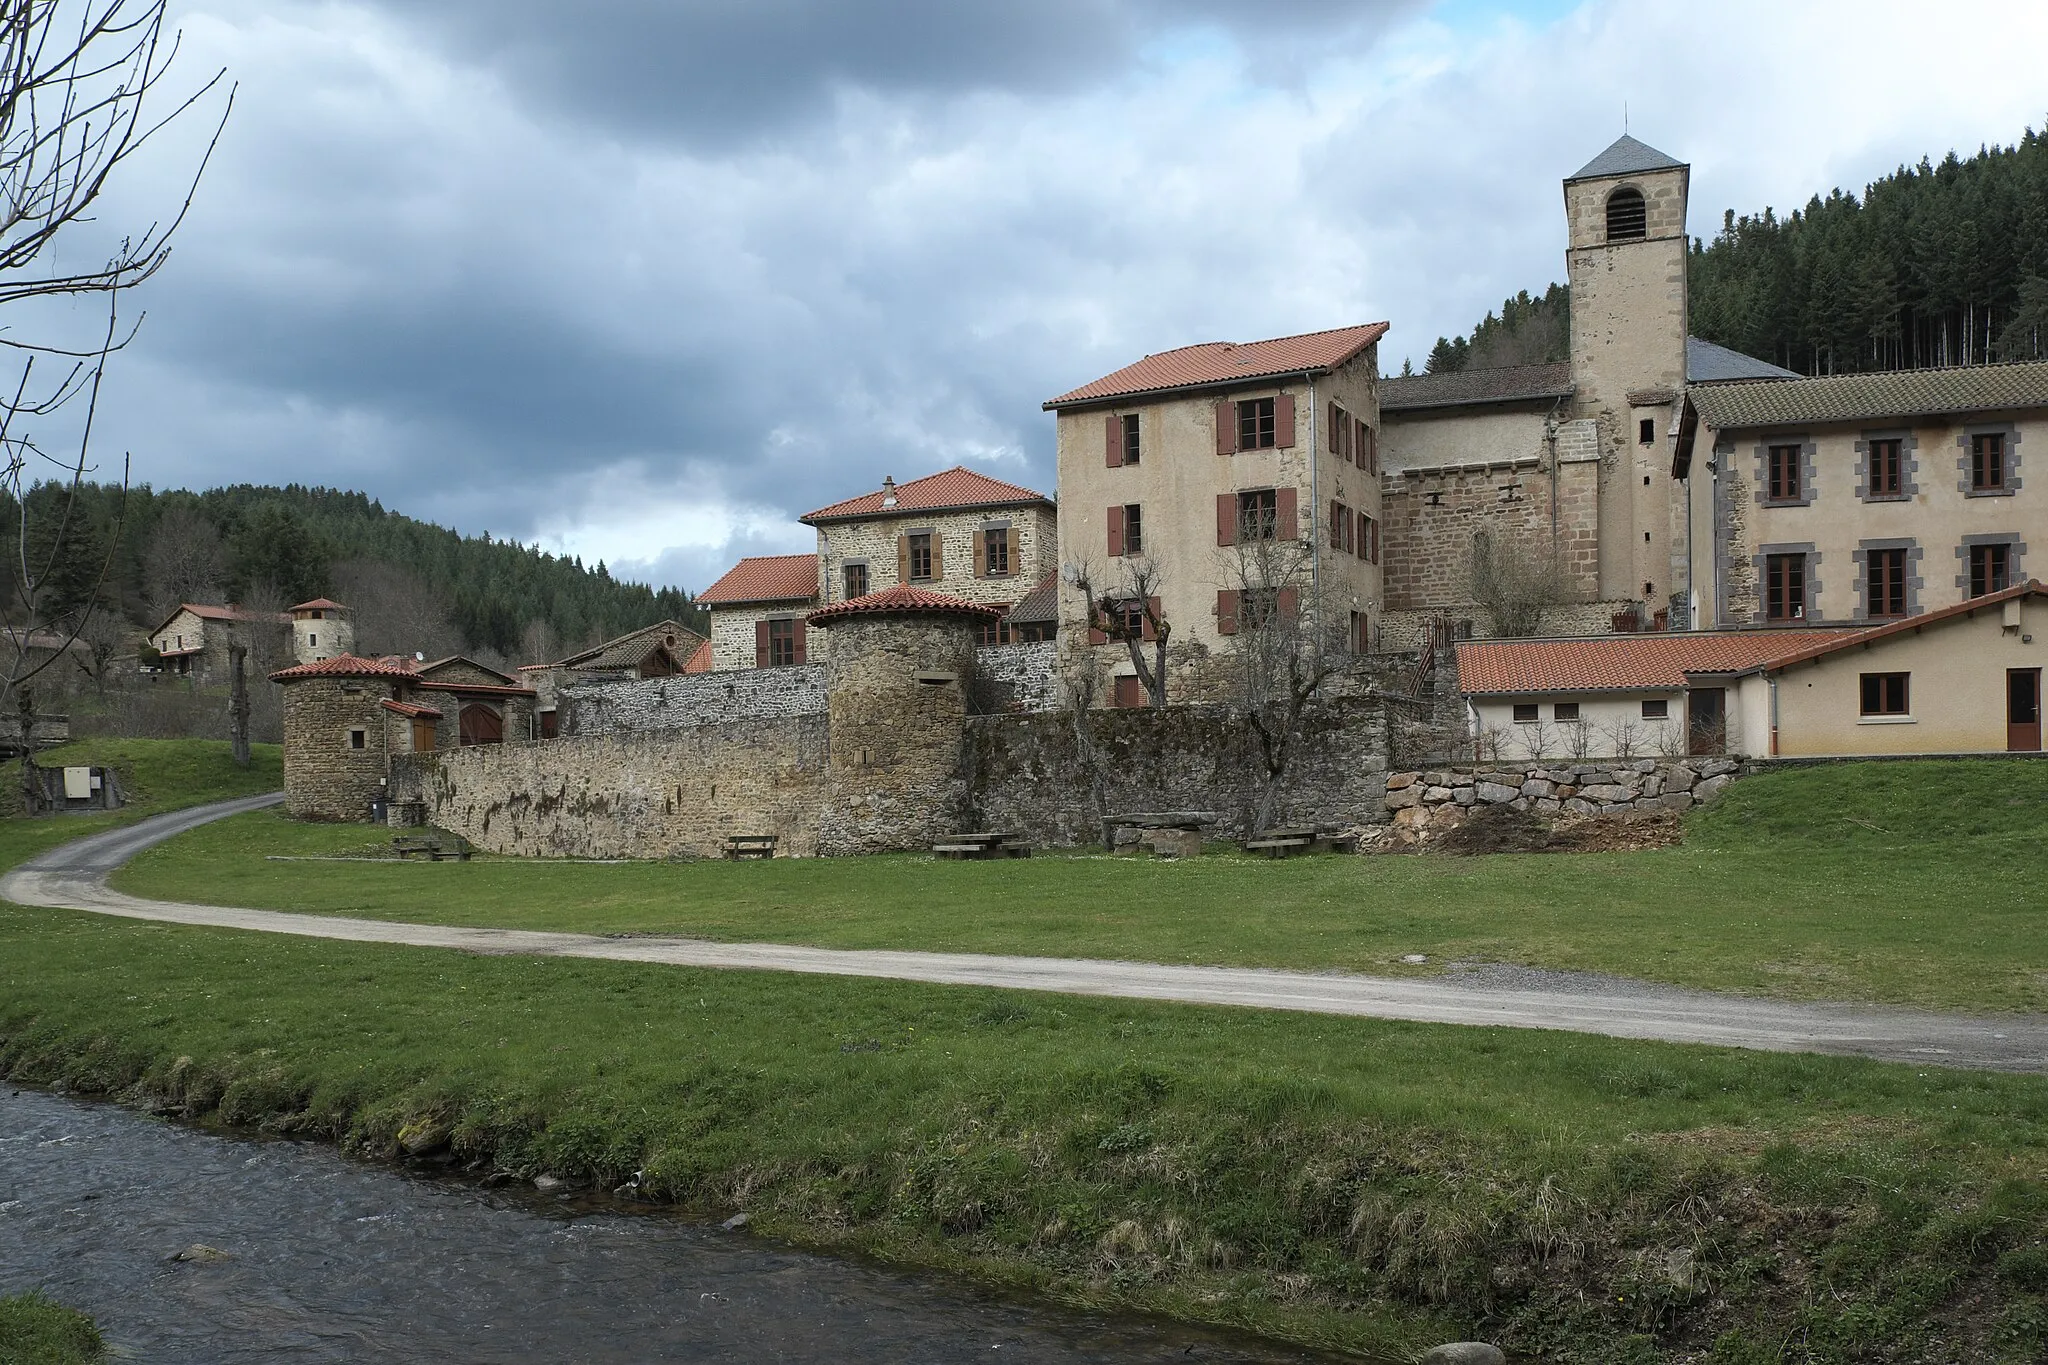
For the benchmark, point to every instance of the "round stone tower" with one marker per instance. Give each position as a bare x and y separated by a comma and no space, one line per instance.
321,630
898,666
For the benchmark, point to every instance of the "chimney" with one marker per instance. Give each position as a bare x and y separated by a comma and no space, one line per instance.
888,490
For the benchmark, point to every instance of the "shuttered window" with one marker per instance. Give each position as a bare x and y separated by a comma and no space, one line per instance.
995,552
920,569
1258,514
1134,529
782,643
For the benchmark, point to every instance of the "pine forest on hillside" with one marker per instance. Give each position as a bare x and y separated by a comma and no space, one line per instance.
414,586
1934,265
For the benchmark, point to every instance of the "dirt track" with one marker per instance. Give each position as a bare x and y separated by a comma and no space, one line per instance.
74,877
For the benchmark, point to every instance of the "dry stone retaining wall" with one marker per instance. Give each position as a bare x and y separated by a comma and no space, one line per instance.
1021,677
1620,788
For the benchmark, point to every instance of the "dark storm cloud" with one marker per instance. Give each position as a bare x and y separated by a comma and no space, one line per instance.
713,70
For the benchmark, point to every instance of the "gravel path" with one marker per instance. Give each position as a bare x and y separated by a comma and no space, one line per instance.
74,877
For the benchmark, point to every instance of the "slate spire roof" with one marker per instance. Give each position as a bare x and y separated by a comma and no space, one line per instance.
1626,157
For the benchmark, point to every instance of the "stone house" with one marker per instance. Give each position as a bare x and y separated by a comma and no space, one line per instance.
662,650
1965,678
1859,497
757,612
1171,464
956,531
345,718
193,641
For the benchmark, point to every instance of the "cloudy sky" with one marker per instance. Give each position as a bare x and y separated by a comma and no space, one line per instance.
647,279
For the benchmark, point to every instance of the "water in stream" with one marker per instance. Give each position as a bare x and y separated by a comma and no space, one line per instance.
334,1260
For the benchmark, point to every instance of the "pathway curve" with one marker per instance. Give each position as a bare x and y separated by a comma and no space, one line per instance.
74,877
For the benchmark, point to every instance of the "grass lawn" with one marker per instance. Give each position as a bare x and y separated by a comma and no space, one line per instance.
1912,883
1353,1183
156,775
35,1331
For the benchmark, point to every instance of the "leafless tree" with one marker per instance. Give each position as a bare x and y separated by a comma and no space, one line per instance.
1578,739
105,636
1628,737
538,643
1081,686
394,610
1288,643
81,82
184,561
1514,582
1123,604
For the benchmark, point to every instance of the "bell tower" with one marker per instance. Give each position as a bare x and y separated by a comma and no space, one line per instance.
1626,260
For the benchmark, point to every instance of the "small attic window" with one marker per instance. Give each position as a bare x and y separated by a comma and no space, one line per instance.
1628,220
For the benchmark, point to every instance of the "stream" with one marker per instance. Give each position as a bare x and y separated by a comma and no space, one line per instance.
330,1259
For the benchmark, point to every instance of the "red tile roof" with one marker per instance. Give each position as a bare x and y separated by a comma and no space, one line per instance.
320,604
408,709
1801,653
699,660
1227,362
941,492
903,601
207,612
348,666
1622,663
765,578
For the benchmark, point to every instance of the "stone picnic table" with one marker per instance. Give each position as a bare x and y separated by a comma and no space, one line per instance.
1168,833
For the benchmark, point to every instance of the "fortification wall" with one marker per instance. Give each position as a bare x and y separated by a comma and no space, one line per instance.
679,703
1034,774
632,794
1021,677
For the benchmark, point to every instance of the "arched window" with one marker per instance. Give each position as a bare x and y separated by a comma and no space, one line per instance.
1627,218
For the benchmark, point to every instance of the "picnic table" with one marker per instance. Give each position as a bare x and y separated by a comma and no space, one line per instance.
1285,842
996,845
428,846
750,846
1167,833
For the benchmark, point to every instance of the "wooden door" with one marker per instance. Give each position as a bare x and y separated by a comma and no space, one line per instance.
2023,710
1131,693
422,736
1706,720
482,725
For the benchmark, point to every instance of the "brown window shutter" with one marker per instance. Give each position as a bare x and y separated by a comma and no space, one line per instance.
1226,612
1283,421
1288,601
1336,525
1113,440
1151,632
1226,429
1116,532
977,554
903,559
1372,450
1010,538
1336,428
1373,527
1289,514
1351,446
1350,529
797,635
938,557
761,644
1226,518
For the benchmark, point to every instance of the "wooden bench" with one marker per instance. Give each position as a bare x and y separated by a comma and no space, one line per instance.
406,845
1003,845
741,846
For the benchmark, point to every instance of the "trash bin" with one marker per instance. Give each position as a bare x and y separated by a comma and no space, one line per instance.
377,810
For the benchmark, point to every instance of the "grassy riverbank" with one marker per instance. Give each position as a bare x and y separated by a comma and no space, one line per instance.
1910,883
36,1331
1352,1183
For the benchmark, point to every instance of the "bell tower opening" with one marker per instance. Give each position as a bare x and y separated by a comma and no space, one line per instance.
1628,217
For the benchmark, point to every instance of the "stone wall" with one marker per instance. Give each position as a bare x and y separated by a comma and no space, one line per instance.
595,707
1403,630
1432,516
647,794
1018,677
733,646
1035,775
325,776
1443,797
